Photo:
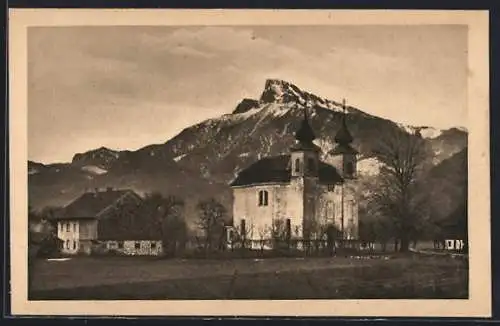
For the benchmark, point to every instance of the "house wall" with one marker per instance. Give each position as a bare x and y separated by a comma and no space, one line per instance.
88,230
128,247
74,233
68,232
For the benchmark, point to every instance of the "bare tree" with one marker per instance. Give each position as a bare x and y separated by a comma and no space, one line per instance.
168,219
263,236
403,156
211,221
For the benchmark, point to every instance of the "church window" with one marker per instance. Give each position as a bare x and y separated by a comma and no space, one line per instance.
243,228
349,168
330,210
297,165
288,228
263,198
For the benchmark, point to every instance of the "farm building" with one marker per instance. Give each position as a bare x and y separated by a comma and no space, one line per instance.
106,220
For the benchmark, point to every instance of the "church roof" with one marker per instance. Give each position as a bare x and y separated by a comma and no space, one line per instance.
276,169
305,133
343,136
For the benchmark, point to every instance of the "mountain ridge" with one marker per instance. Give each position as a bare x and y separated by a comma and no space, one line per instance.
210,153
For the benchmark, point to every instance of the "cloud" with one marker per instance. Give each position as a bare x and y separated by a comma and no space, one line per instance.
88,79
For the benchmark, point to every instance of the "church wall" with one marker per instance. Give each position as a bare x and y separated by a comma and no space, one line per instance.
330,208
259,219
295,206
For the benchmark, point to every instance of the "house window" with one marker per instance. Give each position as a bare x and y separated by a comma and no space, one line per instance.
137,245
153,245
67,227
67,244
74,227
331,188
297,165
120,245
263,198
74,245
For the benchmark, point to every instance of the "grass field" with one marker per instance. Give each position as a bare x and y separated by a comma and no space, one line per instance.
402,277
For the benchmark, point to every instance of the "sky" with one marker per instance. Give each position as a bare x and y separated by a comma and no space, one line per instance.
128,87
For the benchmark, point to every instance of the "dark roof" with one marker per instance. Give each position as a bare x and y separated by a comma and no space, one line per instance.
91,204
343,136
305,134
276,169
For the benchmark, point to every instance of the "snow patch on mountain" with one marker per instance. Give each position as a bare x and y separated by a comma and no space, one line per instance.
425,132
369,166
94,169
430,133
178,158
246,114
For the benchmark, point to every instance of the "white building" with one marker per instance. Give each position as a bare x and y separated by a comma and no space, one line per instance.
299,191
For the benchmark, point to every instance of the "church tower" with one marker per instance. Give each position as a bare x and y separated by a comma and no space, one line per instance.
304,169
344,158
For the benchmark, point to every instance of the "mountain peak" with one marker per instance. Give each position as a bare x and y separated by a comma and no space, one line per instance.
246,105
101,157
280,91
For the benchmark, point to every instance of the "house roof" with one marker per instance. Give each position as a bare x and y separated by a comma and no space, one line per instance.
92,204
276,169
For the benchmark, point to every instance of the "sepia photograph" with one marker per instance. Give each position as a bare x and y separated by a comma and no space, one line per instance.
252,161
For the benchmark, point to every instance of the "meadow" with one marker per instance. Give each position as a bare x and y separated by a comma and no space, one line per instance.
133,278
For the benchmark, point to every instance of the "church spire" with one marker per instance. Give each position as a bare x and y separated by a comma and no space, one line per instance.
343,136
305,134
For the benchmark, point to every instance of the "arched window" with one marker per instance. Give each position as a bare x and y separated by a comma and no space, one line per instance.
263,198
297,165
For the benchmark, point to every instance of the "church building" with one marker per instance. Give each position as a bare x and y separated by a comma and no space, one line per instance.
298,190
